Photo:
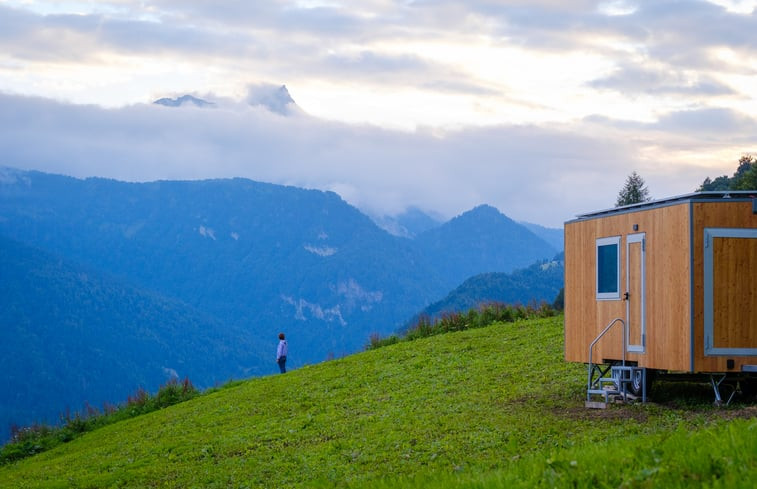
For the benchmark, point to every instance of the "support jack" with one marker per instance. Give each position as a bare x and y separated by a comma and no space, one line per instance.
716,388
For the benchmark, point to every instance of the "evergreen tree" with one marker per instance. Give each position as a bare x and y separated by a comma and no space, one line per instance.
633,192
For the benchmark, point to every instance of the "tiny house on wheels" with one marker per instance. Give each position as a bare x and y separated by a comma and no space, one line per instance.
664,287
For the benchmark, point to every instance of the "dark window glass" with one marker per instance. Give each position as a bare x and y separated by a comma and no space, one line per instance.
607,269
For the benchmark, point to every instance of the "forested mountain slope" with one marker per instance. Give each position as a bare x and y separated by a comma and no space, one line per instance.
242,260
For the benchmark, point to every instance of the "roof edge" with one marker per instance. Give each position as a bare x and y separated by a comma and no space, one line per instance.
694,196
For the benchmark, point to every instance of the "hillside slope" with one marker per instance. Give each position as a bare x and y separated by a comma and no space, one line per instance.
462,403
491,241
541,282
553,236
69,335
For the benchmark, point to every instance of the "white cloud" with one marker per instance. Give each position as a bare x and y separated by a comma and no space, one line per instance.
543,174
616,7
541,108
738,6
393,63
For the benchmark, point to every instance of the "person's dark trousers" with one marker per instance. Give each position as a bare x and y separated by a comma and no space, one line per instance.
283,364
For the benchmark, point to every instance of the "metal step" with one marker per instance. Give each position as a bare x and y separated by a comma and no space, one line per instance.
596,405
614,386
609,392
605,393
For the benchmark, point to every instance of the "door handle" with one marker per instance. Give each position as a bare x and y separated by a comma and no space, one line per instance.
625,296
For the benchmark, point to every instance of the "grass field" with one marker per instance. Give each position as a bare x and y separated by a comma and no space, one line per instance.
483,408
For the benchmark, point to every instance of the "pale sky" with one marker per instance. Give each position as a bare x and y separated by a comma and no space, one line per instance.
540,108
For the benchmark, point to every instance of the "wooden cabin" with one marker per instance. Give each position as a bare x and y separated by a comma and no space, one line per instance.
680,273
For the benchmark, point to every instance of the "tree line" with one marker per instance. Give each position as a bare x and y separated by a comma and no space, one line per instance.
635,191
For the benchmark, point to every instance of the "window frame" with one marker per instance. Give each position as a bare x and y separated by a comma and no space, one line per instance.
607,241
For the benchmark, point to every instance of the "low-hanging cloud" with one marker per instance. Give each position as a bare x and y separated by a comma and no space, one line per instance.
636,79
539,174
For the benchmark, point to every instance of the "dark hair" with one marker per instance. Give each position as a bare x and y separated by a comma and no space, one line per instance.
281,336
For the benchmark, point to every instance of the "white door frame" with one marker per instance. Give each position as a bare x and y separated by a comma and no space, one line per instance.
636,238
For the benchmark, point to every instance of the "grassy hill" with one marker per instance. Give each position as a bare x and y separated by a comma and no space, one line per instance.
491,407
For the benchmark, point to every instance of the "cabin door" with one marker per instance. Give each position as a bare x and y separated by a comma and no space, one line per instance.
635,292
730,300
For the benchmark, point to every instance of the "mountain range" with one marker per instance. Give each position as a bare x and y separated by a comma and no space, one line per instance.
114,285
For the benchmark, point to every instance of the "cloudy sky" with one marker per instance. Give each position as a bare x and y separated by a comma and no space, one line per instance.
538,107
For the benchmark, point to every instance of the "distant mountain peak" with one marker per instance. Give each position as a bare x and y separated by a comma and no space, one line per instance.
484,209
410,223
481,212
10,175
274,98
183,100
482,234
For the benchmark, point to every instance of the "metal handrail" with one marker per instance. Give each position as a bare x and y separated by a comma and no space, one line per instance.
599,337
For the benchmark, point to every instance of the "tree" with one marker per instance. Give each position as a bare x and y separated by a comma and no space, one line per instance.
633,192
559,302
744,178
749,180
720,183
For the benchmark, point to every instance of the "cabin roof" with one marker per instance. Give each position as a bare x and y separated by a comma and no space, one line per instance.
733,195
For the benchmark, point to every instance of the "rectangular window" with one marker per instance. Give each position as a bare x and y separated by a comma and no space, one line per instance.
608,268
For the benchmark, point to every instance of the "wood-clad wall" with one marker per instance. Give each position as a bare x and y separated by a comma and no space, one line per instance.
736,299
669,289
668,311
674,240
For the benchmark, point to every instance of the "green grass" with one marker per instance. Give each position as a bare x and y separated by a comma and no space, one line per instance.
723,455
483,408
31,440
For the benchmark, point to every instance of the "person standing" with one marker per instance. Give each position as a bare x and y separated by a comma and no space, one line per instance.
281,353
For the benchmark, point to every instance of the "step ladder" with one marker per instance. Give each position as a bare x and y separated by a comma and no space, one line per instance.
621,376
615,387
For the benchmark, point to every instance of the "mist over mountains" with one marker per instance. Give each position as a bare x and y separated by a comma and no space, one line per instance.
139,282
275,99
183,100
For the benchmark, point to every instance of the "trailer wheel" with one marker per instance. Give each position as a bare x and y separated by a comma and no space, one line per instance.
636,386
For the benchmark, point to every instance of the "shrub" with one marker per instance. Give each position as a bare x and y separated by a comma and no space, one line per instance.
138,399
25,442
483,315
174,392
376,341
37,438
